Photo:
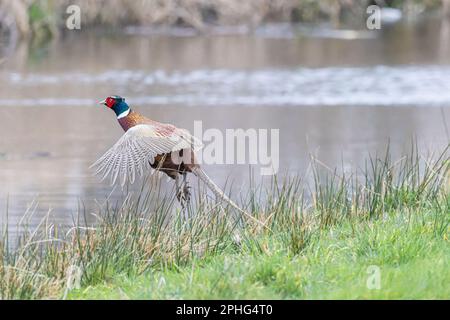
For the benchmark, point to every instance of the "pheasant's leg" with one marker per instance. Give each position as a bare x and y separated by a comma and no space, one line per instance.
186,188
181,196
178,187
183,192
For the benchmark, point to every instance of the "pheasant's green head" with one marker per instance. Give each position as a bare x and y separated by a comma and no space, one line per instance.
117,104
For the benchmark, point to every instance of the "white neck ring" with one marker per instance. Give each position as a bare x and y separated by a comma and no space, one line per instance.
123,114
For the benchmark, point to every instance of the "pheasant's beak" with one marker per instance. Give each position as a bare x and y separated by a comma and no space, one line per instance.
103,102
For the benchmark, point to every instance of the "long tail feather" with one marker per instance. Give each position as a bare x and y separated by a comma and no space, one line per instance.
219,193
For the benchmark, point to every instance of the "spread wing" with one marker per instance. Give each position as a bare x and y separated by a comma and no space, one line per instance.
137,149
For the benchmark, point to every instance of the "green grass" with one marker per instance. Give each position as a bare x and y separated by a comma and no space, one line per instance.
414,264
319,240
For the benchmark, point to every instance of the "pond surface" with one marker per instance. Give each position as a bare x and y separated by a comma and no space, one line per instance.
336,97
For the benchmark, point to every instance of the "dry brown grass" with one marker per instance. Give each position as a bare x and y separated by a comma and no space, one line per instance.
23,16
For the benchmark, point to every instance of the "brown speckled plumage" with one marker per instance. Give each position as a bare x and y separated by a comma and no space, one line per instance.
163,162
133,119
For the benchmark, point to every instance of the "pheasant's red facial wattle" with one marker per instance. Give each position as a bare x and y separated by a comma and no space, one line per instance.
110,102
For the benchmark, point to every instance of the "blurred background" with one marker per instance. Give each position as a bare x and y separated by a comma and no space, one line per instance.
310,68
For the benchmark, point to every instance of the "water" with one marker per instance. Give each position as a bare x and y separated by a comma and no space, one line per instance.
427,86
336,96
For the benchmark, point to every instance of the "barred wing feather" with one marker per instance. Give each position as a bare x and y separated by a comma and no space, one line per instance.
137,149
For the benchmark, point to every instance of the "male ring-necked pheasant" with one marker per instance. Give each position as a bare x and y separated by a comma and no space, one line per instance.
148,143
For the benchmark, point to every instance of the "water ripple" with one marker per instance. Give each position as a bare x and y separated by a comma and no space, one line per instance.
377,85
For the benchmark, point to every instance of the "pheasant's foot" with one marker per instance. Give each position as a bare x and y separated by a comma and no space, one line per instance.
187,192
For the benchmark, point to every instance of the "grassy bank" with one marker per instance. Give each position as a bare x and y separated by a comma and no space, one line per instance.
318,241
336,263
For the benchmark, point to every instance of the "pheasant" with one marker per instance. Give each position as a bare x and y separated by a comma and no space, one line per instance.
150,144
